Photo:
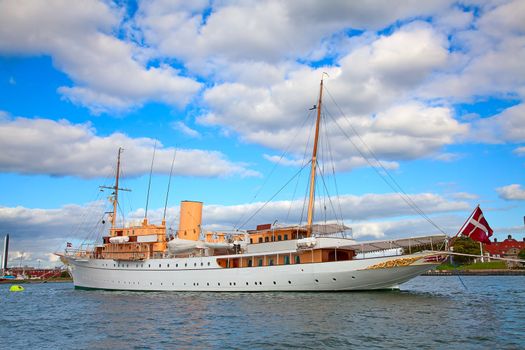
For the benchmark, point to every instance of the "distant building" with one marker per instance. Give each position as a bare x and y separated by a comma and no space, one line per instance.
34,273
509,248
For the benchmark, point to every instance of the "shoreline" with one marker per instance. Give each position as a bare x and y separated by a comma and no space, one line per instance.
14,281
483,272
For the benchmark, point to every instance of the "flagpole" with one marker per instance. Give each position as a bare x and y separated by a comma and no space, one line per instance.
463,226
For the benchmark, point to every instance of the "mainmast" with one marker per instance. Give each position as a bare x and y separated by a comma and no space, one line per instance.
314,161
115,190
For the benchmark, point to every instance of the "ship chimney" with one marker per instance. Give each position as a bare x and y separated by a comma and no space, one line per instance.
190,220
5,254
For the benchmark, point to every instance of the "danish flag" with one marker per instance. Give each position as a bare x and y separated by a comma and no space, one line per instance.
477,228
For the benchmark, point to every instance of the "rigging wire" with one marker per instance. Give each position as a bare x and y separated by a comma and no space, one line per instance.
269,200
237,226
392,183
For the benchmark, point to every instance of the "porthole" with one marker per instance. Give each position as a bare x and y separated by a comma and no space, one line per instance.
255,283
176,265
149,265
202,264
260,283
317,281
274,282
218,283
185,264
194,264
168,265
234,283
289,282
246,283
151,283
334,279
207,283
353,276
160,265
208,263
230,283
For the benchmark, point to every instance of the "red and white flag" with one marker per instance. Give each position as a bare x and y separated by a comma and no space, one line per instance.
477,227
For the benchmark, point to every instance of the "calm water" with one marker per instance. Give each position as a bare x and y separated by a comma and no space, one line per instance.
428,313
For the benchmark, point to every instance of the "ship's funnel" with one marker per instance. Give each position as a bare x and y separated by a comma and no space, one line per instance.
190,220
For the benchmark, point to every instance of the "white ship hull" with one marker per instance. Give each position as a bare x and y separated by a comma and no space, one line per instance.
204,274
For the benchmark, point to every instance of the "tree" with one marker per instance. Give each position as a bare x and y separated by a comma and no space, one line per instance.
465,245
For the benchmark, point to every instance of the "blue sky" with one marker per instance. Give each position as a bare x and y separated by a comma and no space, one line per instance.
434,89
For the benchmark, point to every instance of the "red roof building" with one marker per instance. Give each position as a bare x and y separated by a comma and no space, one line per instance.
509,247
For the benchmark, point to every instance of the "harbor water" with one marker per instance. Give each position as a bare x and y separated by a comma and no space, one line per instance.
471,312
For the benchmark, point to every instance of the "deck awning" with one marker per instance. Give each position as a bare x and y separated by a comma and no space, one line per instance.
435,241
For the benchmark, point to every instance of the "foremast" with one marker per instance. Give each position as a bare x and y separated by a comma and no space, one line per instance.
311,199
116,188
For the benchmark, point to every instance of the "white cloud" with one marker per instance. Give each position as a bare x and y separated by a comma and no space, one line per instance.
269,31
464,196
520,151
488,56
107,71
59,148
507,126
185,129
512,192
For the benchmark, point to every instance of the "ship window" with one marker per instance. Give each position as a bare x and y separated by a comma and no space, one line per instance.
260,239
251,240
285,237
297,259
286,260
160,265
266,239
149,265
208,263
202,264
250,263
168,265
185,264
194,264
260,262
270,262
279,238
176,265
219,283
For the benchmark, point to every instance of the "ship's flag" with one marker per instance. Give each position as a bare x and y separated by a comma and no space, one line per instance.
477,227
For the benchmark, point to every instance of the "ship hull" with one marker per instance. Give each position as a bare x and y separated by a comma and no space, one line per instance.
203,274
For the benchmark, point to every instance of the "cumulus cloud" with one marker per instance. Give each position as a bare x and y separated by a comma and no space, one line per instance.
507,126
270,31
488,56
108,72
60,148
514,192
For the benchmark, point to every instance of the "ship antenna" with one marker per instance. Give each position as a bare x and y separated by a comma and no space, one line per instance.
311,199
168,191
149,182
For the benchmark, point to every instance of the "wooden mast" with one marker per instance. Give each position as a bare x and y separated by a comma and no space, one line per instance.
311,200
115,191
